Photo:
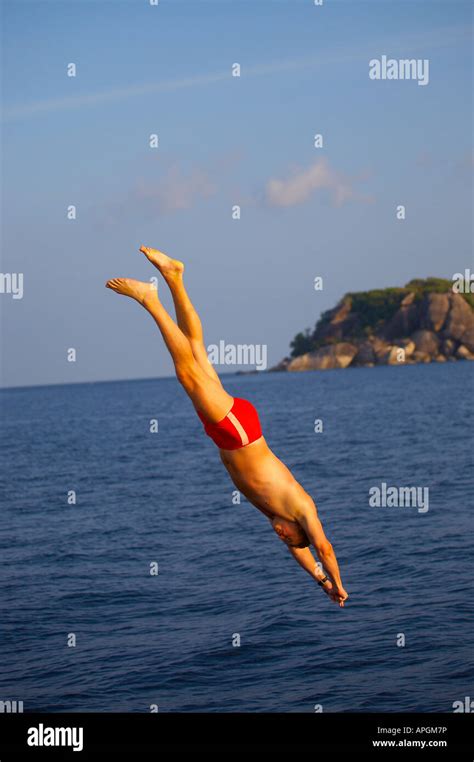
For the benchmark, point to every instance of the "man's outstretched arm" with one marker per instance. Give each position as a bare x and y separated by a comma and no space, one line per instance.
311,524
306,560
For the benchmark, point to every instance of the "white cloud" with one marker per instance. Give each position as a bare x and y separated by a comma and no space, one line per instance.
170,85
436,38
303,183
176,190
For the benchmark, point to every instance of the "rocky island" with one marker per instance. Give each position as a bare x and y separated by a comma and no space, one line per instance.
423,322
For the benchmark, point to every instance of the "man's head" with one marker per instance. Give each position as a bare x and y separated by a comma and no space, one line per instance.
290,533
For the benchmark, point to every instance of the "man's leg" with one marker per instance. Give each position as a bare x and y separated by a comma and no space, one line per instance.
206,394
186,315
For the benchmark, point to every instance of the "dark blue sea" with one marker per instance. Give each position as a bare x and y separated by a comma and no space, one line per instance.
166,639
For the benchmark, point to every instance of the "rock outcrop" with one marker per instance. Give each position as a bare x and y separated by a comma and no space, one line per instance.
421,323
333,356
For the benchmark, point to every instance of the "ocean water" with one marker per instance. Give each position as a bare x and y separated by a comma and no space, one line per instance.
142,497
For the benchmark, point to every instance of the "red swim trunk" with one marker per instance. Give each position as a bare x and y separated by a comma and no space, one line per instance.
239,428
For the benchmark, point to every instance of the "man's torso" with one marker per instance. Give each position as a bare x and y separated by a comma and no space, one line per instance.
264,480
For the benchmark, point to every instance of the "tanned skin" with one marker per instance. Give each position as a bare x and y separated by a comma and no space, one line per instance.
255,470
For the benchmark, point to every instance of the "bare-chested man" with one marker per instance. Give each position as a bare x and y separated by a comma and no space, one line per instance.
234,426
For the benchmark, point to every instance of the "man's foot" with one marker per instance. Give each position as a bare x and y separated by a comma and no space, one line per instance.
138,290
169,268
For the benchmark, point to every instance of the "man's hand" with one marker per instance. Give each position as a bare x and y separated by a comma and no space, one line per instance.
339,595
336,594
305,559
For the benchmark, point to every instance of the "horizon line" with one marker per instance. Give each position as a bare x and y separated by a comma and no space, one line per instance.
102,381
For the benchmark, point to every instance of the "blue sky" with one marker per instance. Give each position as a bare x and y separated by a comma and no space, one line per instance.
223,141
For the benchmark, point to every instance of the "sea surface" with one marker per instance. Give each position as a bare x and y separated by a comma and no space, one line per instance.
80,572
